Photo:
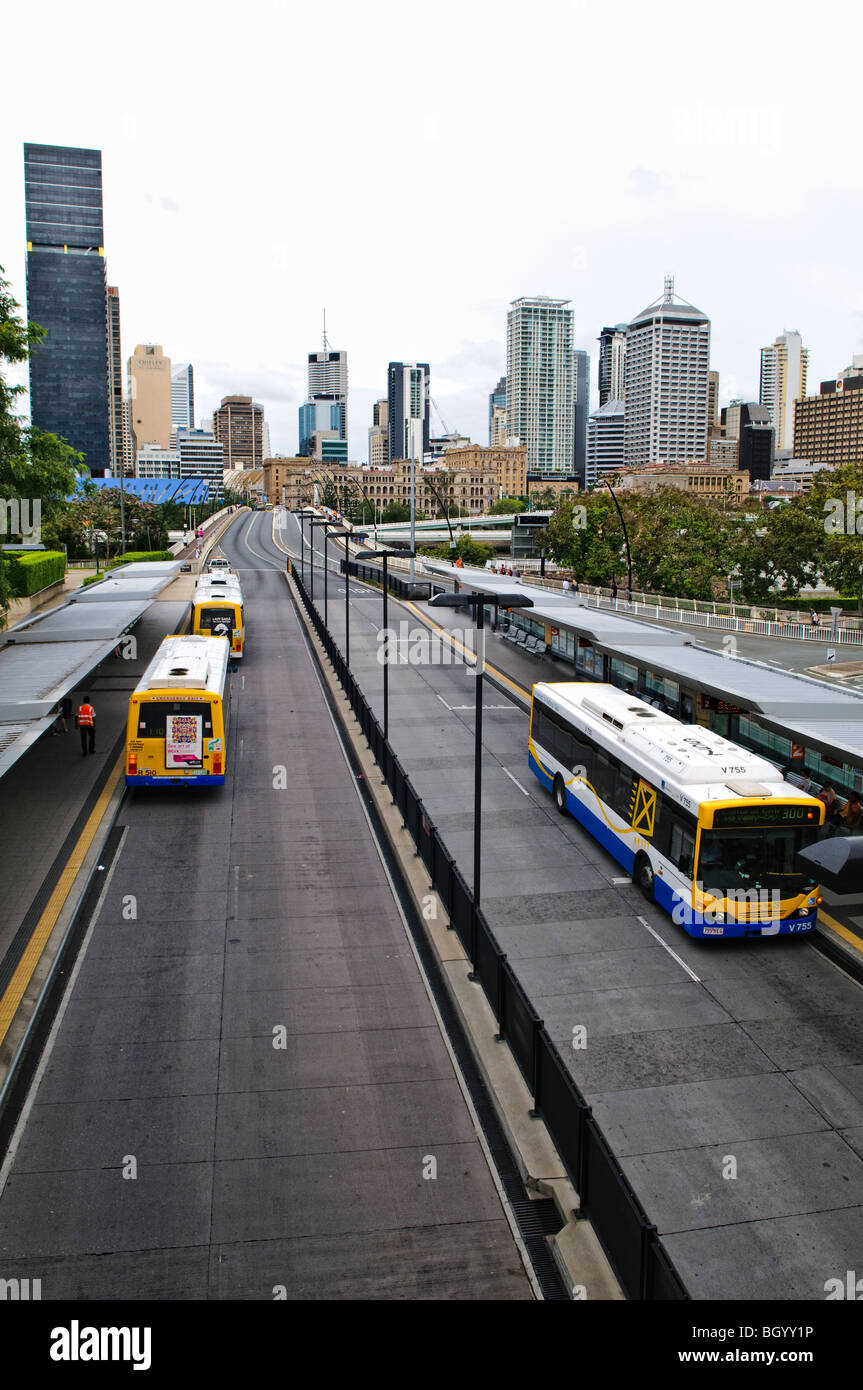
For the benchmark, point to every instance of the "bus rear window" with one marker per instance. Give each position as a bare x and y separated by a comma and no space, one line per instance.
219,621
152,715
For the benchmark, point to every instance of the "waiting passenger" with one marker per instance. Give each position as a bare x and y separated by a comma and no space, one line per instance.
850,816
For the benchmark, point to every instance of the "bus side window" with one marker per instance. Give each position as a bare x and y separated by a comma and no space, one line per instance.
682,849
623,796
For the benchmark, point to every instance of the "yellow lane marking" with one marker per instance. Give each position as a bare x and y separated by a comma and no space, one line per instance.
498,675
20,981
840,930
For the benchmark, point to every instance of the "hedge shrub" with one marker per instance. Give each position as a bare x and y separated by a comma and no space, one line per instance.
134,556
33,570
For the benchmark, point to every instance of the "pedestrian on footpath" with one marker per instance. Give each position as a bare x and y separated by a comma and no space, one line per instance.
87,724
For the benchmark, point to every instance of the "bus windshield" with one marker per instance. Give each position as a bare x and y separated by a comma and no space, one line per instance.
762,860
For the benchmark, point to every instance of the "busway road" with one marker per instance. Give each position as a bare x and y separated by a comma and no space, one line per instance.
248,1078
696,1052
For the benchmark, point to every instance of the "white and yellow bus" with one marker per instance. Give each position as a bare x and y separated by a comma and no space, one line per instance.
217,610
177,730
707,829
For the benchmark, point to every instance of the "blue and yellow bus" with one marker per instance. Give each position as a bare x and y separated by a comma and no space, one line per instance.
707,829
177,730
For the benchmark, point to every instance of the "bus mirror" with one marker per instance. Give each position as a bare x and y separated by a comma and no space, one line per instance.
836,864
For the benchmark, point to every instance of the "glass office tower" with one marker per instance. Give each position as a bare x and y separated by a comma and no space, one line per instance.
67,296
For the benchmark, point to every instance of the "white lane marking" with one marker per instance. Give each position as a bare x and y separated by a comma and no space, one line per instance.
443,701
469,707
665,946
617,881
243,682
515,779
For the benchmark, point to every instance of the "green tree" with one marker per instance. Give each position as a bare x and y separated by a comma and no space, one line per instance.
96,513
835,505
395,511
784,553
586,537
470,551
508,506
683,545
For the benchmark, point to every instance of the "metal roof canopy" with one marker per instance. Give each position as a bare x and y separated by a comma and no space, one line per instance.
111,590
33,678
143,568
81,623
806,710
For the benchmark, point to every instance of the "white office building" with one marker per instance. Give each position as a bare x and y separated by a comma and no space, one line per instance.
541,382
183,397
784,366
666,371
605,430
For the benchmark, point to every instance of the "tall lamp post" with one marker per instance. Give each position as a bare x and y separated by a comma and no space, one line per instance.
315,521
384,555
334,534
478,602
626,539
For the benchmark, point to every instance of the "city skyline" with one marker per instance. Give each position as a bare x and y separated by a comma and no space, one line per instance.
680,190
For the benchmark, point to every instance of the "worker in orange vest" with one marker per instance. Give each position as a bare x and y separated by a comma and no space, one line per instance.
86,718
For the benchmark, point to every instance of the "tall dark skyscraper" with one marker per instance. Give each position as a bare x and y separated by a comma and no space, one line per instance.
582,404
67,296
408,410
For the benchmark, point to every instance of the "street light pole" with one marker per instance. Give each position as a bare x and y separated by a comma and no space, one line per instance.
313,524
384,555
626,539
477,602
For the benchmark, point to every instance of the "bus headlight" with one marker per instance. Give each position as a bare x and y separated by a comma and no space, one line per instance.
804,911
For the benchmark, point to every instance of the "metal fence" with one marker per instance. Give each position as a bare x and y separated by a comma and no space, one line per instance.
607,1199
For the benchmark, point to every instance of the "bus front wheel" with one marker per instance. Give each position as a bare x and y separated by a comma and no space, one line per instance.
642,876
559,791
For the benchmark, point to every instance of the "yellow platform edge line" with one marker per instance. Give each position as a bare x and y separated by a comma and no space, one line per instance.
26,967
430,622
846,935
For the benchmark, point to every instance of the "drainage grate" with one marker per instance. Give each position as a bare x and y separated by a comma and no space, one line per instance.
537,1218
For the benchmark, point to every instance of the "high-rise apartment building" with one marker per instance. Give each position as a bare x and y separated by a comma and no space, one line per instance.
540,382
783,381
150,391
408,410
379,454
67,296
116,412
582,410
183,397
604,455
497,416
328,381
239,425
666,381
612,351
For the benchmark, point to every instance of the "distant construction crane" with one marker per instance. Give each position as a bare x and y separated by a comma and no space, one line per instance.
437,410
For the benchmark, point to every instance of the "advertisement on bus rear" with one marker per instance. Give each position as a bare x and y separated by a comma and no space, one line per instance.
183,744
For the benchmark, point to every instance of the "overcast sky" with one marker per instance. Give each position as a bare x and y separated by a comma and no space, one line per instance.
415,168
